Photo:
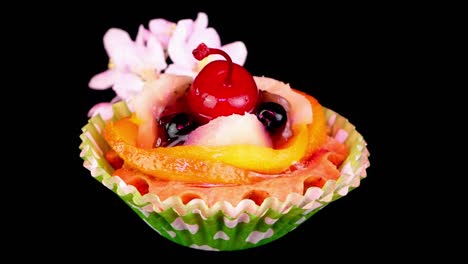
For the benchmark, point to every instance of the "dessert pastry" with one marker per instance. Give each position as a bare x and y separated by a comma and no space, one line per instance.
224,160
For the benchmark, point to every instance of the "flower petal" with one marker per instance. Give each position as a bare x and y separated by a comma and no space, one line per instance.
120,48
103,109
154,54
202,33
127,85
142,36
116,99
237,50
201,23
180,70
177,49
208,36
162,29
211,38
103,80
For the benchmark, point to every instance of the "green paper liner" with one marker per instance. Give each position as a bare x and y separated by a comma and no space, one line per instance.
224,227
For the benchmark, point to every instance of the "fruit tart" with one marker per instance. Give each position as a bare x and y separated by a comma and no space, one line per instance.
224,160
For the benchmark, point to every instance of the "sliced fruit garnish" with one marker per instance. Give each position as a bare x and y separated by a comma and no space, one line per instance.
231,164
230,130
318,128
227,164
301,112
248,157
150,103
128,130
174,166
251,157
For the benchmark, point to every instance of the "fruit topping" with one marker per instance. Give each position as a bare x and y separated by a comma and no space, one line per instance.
234,163
275,98
283,133
239,145
230,130
151,102
272,115
221,88
177,127
301,110
318,129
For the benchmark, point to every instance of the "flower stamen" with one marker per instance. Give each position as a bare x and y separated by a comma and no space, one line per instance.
148,75
110,65
171,29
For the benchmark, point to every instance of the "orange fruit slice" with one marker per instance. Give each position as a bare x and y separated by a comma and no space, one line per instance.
235,164
173,167
318,128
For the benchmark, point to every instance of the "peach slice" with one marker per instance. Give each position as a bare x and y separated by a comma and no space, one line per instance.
150,103
301,112
173,166
318,128
128,130
223,164
233,164
230,130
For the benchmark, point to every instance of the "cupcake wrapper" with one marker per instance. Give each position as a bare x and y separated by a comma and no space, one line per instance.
224,227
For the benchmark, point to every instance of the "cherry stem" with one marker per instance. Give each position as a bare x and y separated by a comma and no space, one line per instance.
202,51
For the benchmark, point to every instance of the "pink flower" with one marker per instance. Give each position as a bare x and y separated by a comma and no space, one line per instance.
160,28
104,109
163,30
131,63
135,64
187,35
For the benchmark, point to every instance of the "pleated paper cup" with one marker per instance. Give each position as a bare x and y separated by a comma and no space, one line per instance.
222,226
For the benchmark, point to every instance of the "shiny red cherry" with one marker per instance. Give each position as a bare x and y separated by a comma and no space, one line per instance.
221,88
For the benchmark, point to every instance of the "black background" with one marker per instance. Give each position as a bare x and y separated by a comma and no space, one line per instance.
348,57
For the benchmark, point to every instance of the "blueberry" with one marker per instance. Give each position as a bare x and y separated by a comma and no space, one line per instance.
180,124
272,115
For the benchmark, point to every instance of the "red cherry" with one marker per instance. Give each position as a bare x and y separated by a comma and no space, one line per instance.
221,88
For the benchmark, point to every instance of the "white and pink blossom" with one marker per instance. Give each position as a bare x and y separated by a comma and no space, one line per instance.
187,35
134,63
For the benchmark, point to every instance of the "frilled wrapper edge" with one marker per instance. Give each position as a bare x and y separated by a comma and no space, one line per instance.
223,226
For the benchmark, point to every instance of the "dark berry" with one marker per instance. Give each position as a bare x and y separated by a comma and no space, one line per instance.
272,115
179,124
